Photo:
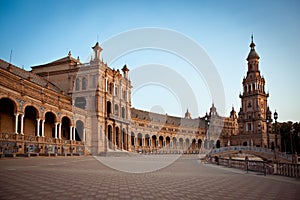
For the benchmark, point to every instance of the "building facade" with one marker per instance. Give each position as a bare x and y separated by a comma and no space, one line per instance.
66,106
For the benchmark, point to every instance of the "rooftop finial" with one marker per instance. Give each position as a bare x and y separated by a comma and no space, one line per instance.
252,45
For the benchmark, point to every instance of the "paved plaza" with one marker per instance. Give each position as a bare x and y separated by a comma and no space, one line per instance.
88,178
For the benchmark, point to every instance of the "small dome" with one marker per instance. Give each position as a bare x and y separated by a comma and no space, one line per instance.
252,54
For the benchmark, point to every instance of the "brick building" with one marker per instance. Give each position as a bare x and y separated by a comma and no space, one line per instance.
66,106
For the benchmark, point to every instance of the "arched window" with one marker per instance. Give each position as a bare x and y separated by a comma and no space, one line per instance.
116,91
116,110
108,107
111,88
84,83
123,112
77,84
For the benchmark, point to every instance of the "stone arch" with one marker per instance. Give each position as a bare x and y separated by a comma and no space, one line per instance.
124,139
49,124
147,140
132,138
7,118
180,144
65,127
109,136
218,144
161,141
187,143
140,139
174,142
168,141
193,143
154,139
79,134
199,143
117,137
31,115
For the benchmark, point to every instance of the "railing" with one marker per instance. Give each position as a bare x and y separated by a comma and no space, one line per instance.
260,150
267,168
287,169
23,144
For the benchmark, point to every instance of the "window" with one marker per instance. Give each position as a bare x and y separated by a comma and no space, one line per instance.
111,88
77,84
116,91
116,110
84,83
123,112
249,127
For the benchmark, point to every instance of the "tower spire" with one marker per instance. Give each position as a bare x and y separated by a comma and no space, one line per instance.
252,54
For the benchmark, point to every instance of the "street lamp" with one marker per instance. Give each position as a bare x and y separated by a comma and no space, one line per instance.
268,134
276,117
291,138
208,136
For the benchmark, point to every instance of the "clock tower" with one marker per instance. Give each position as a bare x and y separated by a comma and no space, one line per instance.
254,111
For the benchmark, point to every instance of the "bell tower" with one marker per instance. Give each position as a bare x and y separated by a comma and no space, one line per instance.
254,111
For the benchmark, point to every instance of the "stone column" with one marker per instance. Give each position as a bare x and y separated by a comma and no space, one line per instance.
55,131
74,132
38,127
71,128
16,123
59,130
43,131
22,124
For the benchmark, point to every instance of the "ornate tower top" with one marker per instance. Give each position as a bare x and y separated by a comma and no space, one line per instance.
252,54
187,114
97,49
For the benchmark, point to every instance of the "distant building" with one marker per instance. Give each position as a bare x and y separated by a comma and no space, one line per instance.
69,107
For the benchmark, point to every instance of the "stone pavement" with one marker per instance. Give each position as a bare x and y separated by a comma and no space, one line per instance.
87,178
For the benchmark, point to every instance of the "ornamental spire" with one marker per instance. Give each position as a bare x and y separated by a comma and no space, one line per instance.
252,54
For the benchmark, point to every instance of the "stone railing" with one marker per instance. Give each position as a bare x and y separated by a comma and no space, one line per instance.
287,169
267,168
259,150
26,144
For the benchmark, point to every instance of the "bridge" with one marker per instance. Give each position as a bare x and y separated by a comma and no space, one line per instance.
263,153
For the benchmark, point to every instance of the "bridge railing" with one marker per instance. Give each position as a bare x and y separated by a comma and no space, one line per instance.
287,169
250,148
282,169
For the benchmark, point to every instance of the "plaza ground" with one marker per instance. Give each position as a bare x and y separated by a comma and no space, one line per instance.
88,178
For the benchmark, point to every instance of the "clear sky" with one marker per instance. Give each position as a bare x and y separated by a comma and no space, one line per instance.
42,31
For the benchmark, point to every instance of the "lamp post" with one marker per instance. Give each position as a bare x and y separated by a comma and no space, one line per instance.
268,134
208,136
291,138
276,117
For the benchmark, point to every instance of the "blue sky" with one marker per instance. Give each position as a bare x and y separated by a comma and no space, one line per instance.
42,31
